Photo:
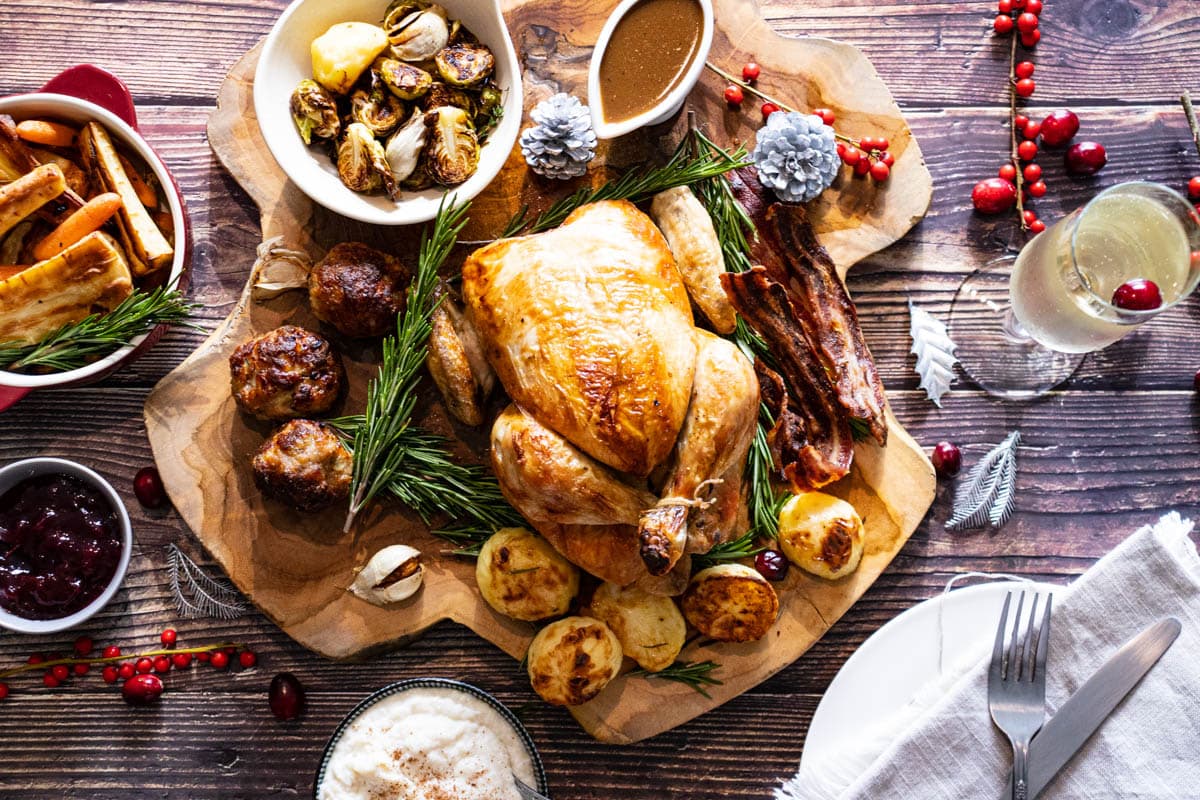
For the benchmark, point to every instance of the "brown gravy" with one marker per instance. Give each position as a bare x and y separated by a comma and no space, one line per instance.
651,48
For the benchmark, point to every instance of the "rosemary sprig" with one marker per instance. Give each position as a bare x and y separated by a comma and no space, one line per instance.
391,396
79,343
695,675
683,169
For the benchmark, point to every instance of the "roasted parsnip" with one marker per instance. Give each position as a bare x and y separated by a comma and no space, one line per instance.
28,193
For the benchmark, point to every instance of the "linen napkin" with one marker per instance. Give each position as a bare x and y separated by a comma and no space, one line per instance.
1148,748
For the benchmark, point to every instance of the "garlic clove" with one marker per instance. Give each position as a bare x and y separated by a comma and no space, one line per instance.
393,574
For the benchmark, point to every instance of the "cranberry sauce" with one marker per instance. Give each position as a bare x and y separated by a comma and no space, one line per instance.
60,543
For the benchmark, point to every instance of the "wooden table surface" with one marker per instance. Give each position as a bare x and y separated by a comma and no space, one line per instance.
1117,446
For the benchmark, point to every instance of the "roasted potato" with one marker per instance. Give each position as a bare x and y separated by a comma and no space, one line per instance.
344,52
650,628
730,603
571,661
821,534
520,575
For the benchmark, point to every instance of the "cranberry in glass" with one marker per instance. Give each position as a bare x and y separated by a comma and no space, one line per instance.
142,690
1138,294
1059,127
771,564
947,459
148,487
1085,158
286,696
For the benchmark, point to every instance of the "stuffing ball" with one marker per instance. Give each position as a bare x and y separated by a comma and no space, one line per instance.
358,290
304,464
289,372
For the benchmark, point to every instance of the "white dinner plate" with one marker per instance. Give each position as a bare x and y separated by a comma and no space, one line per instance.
897,661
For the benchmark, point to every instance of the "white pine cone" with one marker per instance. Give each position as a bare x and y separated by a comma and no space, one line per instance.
561,142
796,156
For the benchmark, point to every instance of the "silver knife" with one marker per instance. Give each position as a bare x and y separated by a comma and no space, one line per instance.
1070,728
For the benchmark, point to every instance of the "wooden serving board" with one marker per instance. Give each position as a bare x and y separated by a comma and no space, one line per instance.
296,567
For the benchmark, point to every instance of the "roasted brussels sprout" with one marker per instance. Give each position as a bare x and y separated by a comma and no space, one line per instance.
315,112
453,149
398,10
420,179
377,108
403,150
362,163
403,80
441,94
488,111
419,35
465,64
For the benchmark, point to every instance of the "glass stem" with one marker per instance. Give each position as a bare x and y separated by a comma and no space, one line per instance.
1014,331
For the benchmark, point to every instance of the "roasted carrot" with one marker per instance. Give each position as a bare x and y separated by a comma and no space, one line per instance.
40,131
95,212
8,271
148,196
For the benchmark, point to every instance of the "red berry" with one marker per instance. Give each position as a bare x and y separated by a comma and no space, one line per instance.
220,659
947,459
1196,381
112,651
1058,127
144,665
750,72
1003,24
1020,121
1024,69
1032,172
881,143
1194,188
110,674
880,171
1038,188
1031,39
162,664
148,488
1008,172
1085,158
1027,150
1005,6
82,669
1037,226
203,657
734,96
993,195
771,564
1033,6
1028,216
36,658
1027,23
888,159
1025,87
142,690
863,166
867,143
247,659
60,672
84,646
168,637
3,690
851,156
827,116
768,109
49,681
1032,130
126,671
1138,294
286,696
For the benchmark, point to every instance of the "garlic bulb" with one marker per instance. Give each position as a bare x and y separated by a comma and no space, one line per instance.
393,574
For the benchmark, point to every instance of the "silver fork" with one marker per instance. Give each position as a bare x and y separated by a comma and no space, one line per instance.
1017,686
527,792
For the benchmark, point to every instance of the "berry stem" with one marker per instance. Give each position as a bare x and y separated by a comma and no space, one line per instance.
1190,113
1014,139
764,96
42,665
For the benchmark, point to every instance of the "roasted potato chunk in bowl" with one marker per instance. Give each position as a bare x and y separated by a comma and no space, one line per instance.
520,575
571,661
730,603
650,628
821,534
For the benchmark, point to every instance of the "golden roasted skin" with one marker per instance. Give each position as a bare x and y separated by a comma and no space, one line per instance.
304,464
288,372
589,329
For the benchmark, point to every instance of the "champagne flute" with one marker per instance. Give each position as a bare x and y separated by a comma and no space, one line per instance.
1030,321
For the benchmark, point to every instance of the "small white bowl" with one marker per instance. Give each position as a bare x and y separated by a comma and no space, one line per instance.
669,104
19,471
286,60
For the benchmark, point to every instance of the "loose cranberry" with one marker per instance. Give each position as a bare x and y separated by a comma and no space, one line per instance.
126,671
110,674
750,72
168,637
771,564
84,646
880,171
947,459
1003,24
1085,158
82,669
144,665
1025,87
1058,127
1031,39
1138,294
826,115
60,672
112,651
1027,150
1024,69
734,96
247,659
49,681
286,696
1038,188
148,488
1194,188
1008,172
182,660
993,196
1032,172
3,690
162,664
768,109
1032,130
220,659
142,690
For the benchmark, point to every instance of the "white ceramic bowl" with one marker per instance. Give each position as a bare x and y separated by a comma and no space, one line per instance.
669,104
77,111
19,471
286,60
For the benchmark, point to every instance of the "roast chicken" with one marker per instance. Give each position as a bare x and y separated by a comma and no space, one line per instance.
627,434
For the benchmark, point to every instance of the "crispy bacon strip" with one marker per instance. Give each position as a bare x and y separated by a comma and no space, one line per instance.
815,443
788,248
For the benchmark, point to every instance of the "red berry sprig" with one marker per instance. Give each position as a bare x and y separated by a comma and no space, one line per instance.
865,156
1193,186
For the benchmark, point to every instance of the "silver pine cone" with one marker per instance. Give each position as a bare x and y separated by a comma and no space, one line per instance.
796,156
561,142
